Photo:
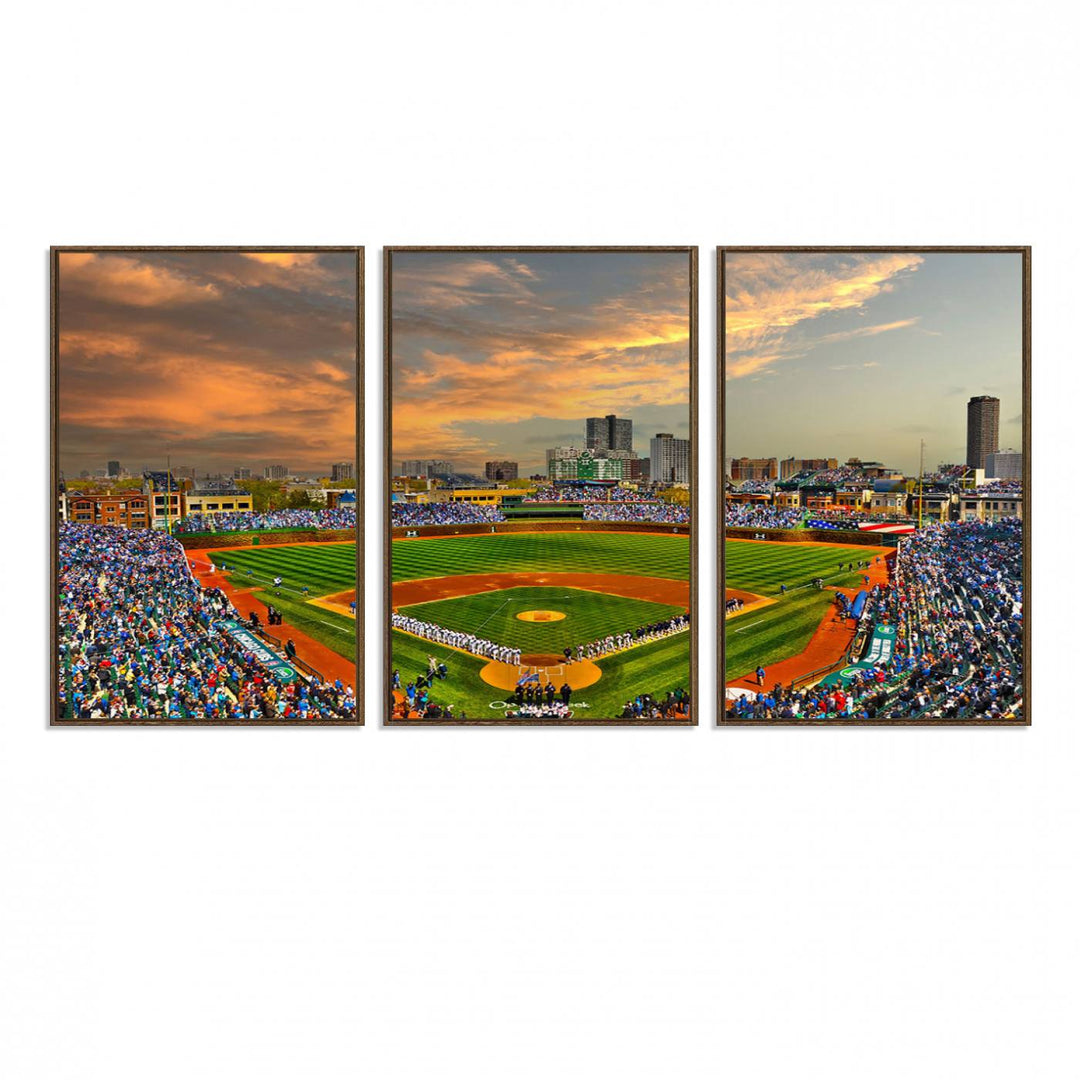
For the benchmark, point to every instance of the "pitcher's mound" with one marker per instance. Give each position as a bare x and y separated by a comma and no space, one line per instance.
541,616
553,668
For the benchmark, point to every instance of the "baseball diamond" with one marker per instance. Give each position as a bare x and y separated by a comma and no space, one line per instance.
603,614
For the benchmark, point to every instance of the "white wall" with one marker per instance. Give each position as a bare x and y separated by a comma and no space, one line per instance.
535,903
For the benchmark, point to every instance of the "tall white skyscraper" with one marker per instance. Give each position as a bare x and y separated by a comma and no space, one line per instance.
669,459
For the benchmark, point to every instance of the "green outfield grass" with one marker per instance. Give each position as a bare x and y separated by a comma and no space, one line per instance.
763,567
589,616
321,568
655,668
648,555
784,629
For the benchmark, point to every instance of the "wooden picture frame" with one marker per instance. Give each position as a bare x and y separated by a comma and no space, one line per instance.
691,253
55,255
1024,254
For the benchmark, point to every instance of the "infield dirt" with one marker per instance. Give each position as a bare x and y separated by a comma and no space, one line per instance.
657,590
323,659
829,643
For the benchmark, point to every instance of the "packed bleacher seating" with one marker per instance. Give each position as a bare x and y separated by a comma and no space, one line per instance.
1001,487
663,512
756,516
138,637
841,476
588,493
854,516
956,601
411,515
341,517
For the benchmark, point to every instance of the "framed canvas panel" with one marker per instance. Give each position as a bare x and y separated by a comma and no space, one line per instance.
875,477
540,485
206,433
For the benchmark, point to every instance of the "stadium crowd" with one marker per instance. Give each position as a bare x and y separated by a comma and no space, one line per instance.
674,706
1001,487
253,521
667,513
587,493
756,516
956,601
138,637
442,513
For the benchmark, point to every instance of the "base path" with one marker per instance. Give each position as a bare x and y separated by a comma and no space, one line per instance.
338,603
751,601
827,647
331,664
657,590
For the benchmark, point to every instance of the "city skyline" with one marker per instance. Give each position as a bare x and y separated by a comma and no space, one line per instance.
215,358
505,354
865,354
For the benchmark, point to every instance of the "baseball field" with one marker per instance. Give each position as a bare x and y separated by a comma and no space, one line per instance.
777,626
318,581
541,593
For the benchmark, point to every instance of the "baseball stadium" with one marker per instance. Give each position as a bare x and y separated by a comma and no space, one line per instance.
240,617
833,613
539,476
542,610
205,485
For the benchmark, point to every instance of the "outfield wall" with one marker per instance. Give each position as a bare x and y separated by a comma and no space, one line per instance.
265,539
502,527
815,536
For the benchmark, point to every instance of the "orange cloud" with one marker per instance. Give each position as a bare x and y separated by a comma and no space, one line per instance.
287,259
768,295
131,280
503,340
251,376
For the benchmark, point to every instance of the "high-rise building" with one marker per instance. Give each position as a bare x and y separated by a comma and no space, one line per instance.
744,468
426,467
113,469
341,470
276,472
983,421
501,470
1005,465
609,433
669,459
241,472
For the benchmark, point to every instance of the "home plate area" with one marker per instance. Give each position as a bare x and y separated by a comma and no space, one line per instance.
553,669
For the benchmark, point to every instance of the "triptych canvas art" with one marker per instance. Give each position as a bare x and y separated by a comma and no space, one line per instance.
540,480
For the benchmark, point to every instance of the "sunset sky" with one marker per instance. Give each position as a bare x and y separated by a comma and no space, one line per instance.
836,355
501,355
217,359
